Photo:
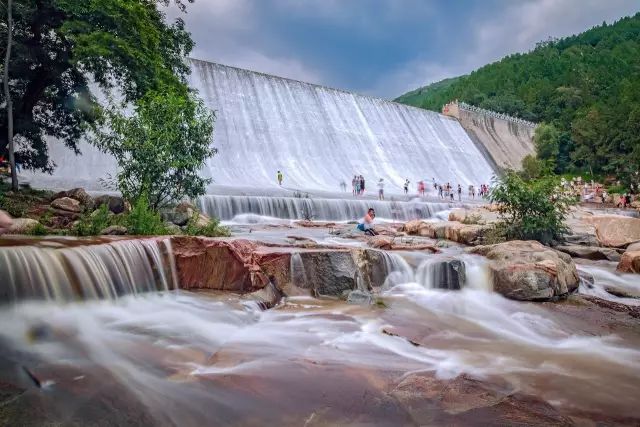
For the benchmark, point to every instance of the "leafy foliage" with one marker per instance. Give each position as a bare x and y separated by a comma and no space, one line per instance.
94,223
533,210
143,220
161,148
212,229
586,88
58,44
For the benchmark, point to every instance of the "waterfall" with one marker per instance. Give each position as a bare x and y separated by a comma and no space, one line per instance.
227,208
94,271
436,271
315,135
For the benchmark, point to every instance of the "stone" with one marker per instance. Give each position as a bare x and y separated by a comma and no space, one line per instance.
634,247
468,234
449,274
380,242
593,253
616,231
115,204
5,222
78,194
22,225
358,297
328,273
629,262
622,292
67,204
529,271
464,400
114,230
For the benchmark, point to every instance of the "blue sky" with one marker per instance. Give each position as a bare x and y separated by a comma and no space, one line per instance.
383,47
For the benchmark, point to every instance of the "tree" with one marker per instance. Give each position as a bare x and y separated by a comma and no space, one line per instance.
7,96
60,46
533,210
546,138
161,148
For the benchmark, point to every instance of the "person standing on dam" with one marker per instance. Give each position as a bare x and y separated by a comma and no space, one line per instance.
406,186
280,177
381,189
361,185
459,193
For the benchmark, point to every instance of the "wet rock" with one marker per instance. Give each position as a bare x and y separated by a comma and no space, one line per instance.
468,401
529,271
381,242
329,273
586,279
629,262
449,274
114,230
622,292
615,230
67,204
22,225
78,194
450,230
358,297
315,224
634,247
115,204
594,253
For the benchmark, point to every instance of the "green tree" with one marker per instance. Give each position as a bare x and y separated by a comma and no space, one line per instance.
161,148
546,140
59,46
534,210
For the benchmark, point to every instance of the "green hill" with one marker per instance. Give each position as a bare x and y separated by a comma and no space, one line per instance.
586,86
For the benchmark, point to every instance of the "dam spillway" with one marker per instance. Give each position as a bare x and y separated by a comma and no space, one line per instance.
315,135
320,136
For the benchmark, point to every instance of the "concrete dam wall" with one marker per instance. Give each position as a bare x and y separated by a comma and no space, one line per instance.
315,135
504,140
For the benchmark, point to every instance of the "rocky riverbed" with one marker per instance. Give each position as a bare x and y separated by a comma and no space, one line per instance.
310,323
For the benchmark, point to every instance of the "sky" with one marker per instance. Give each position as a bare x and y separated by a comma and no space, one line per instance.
382,48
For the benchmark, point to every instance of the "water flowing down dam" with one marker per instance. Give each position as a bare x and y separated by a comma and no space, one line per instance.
319,136
315,135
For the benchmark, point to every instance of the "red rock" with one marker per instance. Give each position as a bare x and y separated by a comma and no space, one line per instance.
233,265
630,262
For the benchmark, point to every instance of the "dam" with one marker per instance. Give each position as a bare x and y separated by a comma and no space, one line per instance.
317,136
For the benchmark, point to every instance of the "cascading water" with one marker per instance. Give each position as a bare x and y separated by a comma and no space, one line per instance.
94,271
232,207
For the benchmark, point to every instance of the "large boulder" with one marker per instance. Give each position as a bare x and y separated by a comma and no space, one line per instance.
616,231
115,204
529,271
594,253
67,204
217,264
328,273
630,262
22,225
446,274
79,194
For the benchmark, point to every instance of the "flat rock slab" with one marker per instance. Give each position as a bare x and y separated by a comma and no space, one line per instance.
616,231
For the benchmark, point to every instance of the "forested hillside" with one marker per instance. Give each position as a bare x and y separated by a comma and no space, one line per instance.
587,87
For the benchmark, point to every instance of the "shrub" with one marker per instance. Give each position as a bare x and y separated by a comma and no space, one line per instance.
93,224
212,229
143,220
533,210
38,230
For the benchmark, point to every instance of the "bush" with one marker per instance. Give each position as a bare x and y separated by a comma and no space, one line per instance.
533,210
143,220
38,230
212,229
93,224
